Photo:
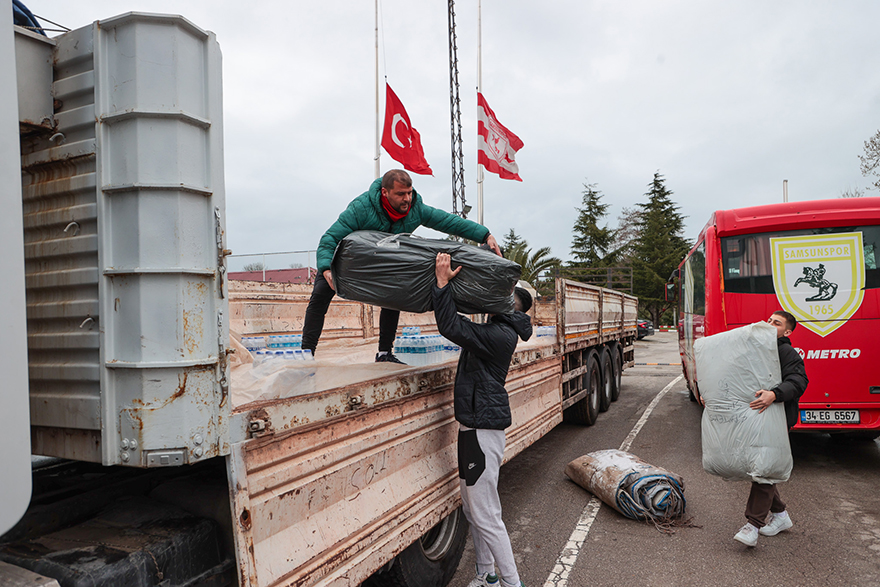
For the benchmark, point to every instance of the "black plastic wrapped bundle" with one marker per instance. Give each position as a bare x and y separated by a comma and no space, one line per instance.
396,271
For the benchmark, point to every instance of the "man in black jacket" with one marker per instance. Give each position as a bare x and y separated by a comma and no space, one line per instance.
482,409
764,499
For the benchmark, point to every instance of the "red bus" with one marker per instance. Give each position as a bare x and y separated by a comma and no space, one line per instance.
817,260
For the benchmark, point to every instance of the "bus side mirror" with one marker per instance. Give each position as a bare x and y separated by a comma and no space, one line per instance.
671,293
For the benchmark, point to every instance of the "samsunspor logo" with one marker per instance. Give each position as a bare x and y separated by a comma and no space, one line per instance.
830,353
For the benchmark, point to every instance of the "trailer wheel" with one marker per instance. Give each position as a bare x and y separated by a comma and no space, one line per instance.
430,561
617,369
607,394
586,410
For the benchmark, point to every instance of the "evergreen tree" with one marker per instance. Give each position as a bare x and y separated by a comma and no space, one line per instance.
511,240
659,248
591,244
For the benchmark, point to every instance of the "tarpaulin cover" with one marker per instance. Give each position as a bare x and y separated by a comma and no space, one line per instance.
397,272
633,487
740,443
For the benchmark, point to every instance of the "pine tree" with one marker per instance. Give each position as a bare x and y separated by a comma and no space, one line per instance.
591,244
659,248
512,240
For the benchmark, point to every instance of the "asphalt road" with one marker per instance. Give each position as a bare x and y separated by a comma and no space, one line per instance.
833,497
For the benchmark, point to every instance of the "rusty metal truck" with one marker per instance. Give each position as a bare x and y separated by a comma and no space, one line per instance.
165,455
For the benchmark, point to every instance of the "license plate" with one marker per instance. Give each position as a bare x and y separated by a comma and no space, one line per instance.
829,416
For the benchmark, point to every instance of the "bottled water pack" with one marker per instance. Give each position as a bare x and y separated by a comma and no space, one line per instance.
281,354
419,350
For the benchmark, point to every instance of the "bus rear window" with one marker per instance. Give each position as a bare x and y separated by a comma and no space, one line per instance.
747,266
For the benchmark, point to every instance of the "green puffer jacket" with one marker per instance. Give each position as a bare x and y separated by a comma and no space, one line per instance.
366,213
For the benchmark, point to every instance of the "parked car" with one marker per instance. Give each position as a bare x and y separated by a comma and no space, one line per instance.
644,328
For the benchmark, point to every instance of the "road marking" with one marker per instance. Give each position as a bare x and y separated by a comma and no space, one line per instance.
569,555
665,364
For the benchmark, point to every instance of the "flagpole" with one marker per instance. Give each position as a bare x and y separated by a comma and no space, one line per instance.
479,89
378,138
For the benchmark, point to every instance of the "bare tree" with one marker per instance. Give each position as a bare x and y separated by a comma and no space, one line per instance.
852,193
254,267
870,161
625,235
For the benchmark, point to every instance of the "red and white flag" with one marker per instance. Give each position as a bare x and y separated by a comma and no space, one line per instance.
496,145
400,139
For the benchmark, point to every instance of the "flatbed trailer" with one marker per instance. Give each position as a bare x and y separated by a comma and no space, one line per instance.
163,456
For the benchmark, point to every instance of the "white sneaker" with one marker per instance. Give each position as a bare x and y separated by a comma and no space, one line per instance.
778,523
748,535
484,580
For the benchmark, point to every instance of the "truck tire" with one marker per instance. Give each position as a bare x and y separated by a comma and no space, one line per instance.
430,561
607,372
617,367
586,410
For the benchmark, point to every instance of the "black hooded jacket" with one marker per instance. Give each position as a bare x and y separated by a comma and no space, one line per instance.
794,379
480,398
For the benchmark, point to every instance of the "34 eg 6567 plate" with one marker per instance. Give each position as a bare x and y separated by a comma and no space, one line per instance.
829,416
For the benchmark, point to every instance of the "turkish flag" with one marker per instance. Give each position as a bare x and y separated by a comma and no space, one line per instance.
400,139
496,145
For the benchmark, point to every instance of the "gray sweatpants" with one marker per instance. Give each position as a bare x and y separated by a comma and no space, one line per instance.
479,459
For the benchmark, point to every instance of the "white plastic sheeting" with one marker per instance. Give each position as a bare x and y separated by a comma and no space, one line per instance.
740,443
634,488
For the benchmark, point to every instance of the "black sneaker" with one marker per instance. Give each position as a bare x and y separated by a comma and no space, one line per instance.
388,358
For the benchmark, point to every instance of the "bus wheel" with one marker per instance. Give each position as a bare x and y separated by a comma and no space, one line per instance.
617,372
430,561
586,410
607,395
687,382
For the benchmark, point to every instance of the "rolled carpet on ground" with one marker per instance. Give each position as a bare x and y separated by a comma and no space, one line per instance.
636,489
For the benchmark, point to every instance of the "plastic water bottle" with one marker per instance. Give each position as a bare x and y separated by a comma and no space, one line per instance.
412,344
424,346
429,349
297,341
435,349
253,343
307,355
297,355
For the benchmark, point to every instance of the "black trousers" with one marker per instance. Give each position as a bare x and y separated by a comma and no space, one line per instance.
320,302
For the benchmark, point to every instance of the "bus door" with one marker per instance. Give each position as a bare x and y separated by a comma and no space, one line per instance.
693,307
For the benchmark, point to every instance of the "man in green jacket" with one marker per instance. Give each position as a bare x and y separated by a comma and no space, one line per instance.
390,205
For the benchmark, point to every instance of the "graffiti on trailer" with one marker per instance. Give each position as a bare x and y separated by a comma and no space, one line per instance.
816,278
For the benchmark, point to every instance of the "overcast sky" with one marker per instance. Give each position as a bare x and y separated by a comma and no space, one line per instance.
725,99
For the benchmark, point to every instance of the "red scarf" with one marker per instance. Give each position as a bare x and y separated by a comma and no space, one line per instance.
392,213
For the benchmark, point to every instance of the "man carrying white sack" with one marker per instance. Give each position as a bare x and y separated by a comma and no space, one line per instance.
765,510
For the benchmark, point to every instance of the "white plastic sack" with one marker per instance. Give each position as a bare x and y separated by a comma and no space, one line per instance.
740,443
